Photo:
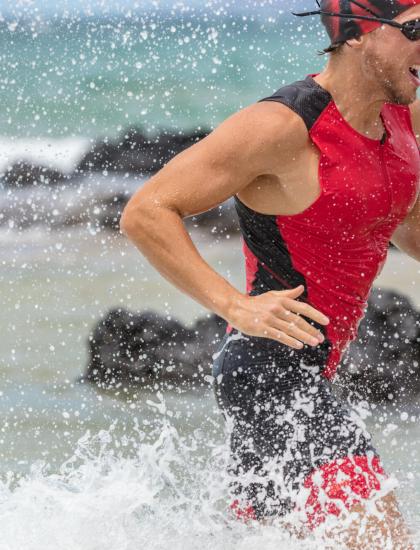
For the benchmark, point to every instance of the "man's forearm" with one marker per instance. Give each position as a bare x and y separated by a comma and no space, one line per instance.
161,236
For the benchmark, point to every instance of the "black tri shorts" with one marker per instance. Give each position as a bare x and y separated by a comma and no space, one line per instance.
294,444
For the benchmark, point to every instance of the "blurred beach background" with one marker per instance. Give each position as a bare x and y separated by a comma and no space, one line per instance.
87,469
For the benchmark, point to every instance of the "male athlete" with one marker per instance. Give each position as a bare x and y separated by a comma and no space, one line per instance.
324,173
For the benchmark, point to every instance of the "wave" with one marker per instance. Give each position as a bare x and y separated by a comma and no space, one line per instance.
61,153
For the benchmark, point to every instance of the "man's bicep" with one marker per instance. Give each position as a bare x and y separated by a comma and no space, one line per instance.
246,145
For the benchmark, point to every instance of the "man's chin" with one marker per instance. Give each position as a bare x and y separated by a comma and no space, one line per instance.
398,94
402,98
406,100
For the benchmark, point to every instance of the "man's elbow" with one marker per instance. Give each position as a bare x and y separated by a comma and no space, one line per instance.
130,220
140,218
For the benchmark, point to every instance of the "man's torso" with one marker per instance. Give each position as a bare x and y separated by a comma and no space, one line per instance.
325,219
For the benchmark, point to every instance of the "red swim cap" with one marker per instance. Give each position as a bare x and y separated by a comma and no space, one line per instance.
341,29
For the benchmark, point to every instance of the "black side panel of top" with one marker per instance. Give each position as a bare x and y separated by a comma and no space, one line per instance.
305,97
263,238
275,269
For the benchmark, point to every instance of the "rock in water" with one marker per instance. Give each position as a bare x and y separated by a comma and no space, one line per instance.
110,210
135,153
140,349
24,173
383,363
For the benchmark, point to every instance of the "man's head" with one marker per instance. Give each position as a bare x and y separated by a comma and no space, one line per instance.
388,59
379,53
341,29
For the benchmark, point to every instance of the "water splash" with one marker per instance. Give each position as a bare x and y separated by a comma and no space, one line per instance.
154,490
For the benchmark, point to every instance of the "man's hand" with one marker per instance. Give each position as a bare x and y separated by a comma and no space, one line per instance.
277,314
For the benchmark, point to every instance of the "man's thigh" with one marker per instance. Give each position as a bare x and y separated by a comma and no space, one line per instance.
291,434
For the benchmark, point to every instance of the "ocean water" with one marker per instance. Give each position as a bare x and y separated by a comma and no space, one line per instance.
91,77
83,469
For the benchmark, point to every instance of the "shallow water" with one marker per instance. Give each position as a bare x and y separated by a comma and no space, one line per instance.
87,469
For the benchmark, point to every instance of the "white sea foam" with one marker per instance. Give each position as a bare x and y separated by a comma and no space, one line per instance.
61,153
162,496
146,491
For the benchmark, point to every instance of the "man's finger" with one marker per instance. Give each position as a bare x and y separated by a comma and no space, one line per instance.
305,309
283,338
300,322
293,330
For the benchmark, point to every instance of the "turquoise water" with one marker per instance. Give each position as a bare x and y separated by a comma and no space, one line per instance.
90,77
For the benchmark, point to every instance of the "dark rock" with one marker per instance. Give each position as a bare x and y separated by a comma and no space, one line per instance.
108,213
110,157
24,173
133,138
134,152
384,362
143,349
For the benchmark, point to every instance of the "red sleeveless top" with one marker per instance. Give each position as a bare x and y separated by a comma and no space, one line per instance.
338,245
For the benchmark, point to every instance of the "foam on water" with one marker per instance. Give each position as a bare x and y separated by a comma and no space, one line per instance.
101,500
61,153
153,490
148,491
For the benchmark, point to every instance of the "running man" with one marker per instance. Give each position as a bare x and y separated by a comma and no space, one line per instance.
324,174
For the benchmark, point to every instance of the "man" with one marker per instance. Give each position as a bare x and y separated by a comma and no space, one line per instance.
325,173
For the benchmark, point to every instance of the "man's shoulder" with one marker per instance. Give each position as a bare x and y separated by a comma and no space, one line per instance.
275,124
306,98
275,127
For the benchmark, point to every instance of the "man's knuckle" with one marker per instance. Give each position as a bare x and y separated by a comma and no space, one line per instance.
280,304
274,309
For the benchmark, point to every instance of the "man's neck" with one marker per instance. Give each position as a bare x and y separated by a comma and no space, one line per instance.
359,101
